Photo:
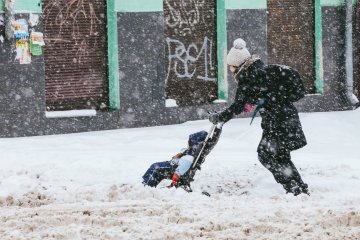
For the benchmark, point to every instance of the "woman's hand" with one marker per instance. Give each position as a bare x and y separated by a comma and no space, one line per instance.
214,118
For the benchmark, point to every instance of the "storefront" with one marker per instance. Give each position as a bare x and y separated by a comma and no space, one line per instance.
153,62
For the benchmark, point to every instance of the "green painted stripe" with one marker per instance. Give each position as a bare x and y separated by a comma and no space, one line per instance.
221,49
245,4
138,5
113,57
157,5
21,6
332,3
319,58
28,6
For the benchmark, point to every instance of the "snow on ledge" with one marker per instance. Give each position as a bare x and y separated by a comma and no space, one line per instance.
219,101
71,113
171,103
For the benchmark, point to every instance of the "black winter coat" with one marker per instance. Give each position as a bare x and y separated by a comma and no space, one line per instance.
280,119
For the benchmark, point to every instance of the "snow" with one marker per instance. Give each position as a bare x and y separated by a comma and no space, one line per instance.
170,103
219,101
71,113
88,185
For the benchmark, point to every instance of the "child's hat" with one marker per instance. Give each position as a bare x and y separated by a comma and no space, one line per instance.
196,138
238,54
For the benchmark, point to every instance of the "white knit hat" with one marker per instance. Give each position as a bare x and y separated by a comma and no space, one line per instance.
238,54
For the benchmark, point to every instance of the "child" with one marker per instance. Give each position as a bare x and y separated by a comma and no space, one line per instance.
177,166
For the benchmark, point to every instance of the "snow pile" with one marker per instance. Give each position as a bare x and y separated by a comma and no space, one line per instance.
88,186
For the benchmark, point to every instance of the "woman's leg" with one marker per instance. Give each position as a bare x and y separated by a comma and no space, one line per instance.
278,162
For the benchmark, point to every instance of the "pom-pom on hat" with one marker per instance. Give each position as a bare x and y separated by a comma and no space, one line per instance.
238,54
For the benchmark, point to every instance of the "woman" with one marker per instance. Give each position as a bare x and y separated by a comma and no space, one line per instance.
282,131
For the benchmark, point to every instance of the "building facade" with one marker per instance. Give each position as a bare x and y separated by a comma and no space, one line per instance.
153,62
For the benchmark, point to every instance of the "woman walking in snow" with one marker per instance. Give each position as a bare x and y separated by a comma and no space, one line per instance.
273,89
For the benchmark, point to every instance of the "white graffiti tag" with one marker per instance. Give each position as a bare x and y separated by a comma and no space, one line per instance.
183,60
184,15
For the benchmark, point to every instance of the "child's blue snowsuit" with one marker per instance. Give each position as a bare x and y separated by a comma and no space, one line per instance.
165,170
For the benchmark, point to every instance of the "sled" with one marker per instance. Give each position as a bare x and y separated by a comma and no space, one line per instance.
202,151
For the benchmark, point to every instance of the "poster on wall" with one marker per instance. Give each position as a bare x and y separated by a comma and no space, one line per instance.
23,52
21,28
33,20
37,38
2,28
36,42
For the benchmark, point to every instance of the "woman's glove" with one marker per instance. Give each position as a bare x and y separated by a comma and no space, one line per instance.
214,118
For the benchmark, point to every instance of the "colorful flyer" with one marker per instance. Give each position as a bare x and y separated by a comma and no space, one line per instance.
23,52
35,49
21,28
37,38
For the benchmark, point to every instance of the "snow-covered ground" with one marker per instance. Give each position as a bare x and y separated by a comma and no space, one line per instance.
88,185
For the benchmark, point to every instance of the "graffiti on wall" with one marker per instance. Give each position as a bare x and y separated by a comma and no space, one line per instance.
190,55
68,16
184,15
182,59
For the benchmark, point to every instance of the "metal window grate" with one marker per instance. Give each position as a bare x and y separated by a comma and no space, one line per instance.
291,40
75,54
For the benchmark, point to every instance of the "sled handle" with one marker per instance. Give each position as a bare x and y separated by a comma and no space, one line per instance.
211,133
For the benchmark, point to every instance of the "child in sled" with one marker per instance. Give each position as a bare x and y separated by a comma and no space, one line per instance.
177,166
